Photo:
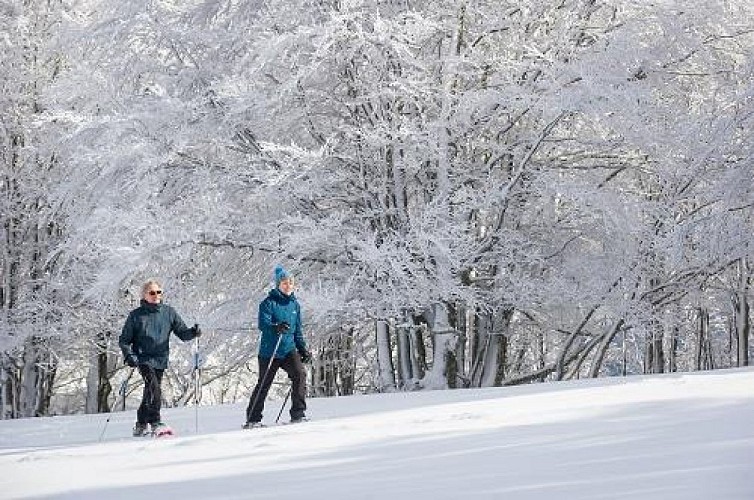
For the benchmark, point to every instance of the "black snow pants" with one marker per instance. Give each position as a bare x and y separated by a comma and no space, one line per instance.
151,400
296,372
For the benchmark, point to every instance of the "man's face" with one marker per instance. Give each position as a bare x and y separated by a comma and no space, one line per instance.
286,286
153,294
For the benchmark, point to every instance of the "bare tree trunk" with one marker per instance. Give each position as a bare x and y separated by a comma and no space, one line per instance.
655,354
673,358
27,404
581,354
564,353
542,373
482,340
732,342
346,369
37,378
91,401
458,365
701,340
444,338
405,353
477,339
13,393
491,360
418,351
741,314
104,388
599,356
98,386
501,356
318,385
386,371
742,329
329,378
3,390
332,375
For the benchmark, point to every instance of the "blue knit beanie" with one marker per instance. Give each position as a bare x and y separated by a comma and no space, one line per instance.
280,274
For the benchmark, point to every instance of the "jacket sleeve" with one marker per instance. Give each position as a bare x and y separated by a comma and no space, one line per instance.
264,318
298,334
179,327
126,339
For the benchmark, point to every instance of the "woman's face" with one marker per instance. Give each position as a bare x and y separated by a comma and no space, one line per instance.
286,286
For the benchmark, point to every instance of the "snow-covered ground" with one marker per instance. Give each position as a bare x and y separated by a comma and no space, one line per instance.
681,436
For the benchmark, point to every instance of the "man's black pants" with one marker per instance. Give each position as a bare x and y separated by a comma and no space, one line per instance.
151,400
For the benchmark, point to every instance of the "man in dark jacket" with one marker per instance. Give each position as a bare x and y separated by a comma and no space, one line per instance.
282,345
145,342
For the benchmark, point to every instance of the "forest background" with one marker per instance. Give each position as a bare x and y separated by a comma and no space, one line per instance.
469,193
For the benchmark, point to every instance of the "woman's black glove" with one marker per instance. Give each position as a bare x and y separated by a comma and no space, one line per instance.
306,356
282,327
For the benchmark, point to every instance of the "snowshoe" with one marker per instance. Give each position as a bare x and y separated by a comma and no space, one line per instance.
253,425
140,430
160,429
299,420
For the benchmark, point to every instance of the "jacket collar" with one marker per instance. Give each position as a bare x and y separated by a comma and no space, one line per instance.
150,307
278,296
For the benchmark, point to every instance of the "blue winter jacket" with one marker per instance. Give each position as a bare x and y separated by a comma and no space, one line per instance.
146,334
273,310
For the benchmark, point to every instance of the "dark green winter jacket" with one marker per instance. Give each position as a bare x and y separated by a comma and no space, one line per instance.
146,334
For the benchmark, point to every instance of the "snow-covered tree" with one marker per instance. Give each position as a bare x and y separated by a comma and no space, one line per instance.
32,306
469,193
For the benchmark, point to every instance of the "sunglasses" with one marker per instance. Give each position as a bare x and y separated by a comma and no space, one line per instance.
155,292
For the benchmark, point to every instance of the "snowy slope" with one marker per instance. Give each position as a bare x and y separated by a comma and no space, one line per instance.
687,436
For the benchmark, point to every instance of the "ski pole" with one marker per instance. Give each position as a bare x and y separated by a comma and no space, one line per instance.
287,395
260,382
197,386
121,393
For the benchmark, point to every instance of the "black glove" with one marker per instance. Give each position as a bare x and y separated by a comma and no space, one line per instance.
197,331
306,356
282,327
131,361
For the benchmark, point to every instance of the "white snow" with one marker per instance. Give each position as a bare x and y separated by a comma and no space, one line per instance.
684,436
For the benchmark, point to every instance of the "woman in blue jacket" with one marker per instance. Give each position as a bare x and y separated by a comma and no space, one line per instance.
282,345
145,343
